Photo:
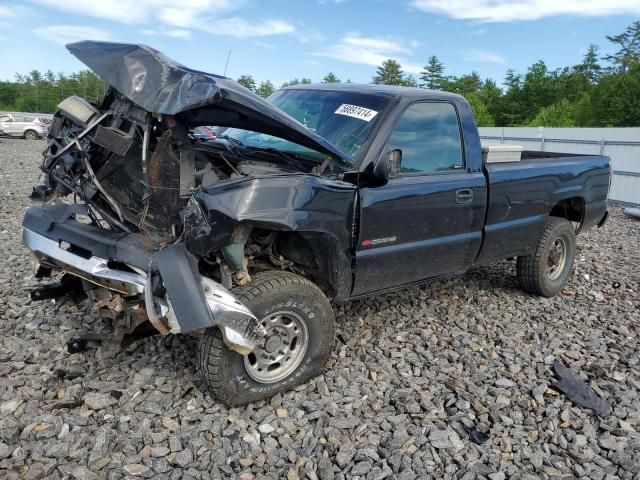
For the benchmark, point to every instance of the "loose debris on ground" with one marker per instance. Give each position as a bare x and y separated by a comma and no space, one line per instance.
452,379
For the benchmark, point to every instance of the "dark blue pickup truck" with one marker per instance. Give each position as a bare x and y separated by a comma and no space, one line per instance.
334,191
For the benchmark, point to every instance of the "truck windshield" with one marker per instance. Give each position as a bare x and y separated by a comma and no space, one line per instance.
343,118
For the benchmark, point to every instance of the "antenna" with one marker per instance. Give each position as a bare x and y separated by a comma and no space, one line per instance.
226,64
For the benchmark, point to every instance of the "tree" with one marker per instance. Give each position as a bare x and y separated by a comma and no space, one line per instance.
590,69
265,89
247,81
560,114
629,48
433,74
469,83
330,78
390,73
540,88
479,109
613,102
410,81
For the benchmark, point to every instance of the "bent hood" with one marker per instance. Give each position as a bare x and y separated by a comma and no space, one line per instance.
158,84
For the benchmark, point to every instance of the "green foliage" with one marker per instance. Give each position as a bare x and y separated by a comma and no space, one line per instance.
41,93
432,74
265,89
390,73
247,81
295,81
480,111
464,85
595,92
628,43
590,68
410,81
330,78
288,83
613,102
560,114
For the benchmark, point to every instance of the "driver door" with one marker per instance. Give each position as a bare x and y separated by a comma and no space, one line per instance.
427,221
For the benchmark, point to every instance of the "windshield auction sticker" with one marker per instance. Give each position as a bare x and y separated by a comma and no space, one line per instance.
356,112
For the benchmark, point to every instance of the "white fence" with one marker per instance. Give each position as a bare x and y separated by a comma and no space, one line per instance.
621,144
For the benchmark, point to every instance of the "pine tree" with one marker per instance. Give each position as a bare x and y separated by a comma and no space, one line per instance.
629,52
433,74
288,83
330,78
590,68
265,89
248,82
389,73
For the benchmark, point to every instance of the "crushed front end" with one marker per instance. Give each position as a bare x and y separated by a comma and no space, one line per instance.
157,226
117,215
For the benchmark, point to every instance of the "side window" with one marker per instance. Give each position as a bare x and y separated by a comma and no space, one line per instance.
428,135
5,118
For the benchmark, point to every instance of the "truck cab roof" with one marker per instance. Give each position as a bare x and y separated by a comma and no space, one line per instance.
393,91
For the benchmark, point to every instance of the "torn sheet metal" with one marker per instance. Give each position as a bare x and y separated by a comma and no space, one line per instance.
182,281
198,302
576,390
158,84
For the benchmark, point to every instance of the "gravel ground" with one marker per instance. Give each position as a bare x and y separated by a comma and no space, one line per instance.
410,375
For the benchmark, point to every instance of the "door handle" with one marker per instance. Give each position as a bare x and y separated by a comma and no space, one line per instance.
464,196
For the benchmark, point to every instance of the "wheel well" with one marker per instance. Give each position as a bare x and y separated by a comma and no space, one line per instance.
570,208
313,254
24,134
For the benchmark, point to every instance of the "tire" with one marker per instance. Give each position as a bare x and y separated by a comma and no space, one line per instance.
546,271
31,135
275,298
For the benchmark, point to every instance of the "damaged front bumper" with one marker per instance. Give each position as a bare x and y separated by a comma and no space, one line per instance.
123,263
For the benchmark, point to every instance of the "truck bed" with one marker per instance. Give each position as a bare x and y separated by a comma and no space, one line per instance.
521,195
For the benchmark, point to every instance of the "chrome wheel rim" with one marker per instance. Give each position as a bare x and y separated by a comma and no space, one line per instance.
556,259
281,350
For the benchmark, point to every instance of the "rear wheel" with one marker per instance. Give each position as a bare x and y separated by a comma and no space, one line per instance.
31,135
546,271
300,327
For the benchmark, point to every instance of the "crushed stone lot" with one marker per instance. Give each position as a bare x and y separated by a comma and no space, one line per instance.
450,380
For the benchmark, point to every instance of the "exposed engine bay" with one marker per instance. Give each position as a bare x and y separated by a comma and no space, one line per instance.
136,171
156,225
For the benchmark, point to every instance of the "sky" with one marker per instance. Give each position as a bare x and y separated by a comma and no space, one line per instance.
279,40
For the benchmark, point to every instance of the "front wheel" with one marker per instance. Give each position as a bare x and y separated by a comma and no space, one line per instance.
545,272
300,328
31,135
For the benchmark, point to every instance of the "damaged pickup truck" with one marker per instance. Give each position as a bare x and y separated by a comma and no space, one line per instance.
322,192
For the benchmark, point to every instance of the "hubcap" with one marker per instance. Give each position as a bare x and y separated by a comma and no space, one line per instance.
557,259
281,350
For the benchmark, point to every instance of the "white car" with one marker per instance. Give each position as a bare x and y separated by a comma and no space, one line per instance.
18,125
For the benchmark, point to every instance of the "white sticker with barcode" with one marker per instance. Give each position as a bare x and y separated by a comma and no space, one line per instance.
356,112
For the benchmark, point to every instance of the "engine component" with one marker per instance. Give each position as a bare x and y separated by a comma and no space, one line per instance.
77,109
162,206
114,140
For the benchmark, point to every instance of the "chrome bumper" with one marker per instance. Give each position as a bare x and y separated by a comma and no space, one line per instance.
227,311
92,269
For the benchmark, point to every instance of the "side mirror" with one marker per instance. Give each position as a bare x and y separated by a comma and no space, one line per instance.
388,166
